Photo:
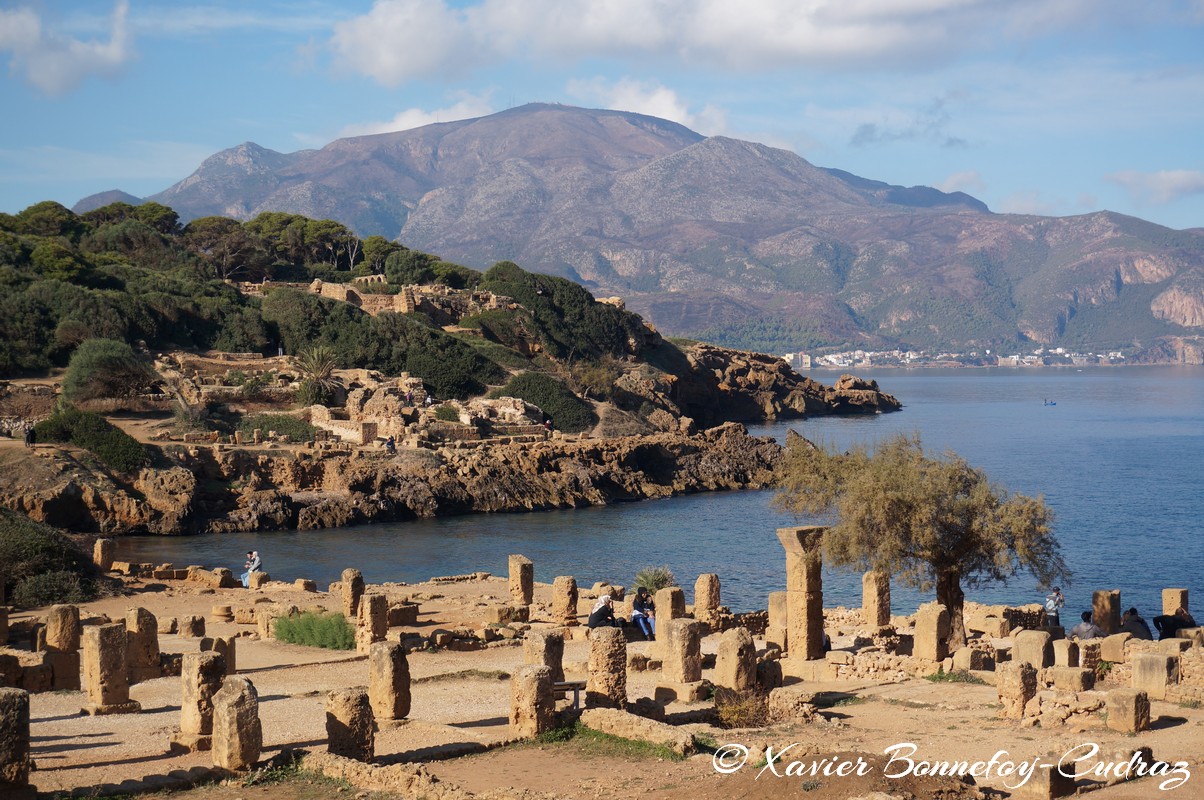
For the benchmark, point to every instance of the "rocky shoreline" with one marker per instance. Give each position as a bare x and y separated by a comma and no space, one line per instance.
218,489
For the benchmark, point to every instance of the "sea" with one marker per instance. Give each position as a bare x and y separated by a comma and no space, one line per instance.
1117,453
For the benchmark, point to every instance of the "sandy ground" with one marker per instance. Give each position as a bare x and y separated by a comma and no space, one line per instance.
452,716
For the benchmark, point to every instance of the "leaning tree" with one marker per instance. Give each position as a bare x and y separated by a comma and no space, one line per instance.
932,522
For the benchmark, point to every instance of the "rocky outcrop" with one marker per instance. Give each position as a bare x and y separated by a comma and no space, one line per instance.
215,489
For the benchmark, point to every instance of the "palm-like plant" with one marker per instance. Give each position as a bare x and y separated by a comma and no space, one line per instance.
316,366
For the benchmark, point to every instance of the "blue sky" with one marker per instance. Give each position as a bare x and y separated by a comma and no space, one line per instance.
1043,106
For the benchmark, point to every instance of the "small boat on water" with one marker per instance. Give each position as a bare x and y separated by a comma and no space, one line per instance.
1049,402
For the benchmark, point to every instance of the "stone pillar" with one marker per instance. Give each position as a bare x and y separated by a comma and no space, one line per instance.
353,590
226,647
1112,648
875,598
1128,710
804,587
1105,610
201,676
192,626
102,554
1017,685
389,681
775,633
670,604
106,674
221,613
349,724
142,645
706,595
237,732
15,762
545,649
1033,647
564,600
1066,653
532,705
736,664
1173,599
62,647
373,622
931,639
607,685
1153,672
522,580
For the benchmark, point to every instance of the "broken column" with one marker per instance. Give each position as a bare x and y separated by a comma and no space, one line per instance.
226,647
736,664
670,604
875,598
1105,610
201,676
62,647
102,554
373,622
388,681
804,587
192,626
1017,685
142,645
931,638
15,762
706,597
564,600
545,649
775,633
522,580
1172,600
349,724
353,590
106,673
682,661
607,685
532,705
237,732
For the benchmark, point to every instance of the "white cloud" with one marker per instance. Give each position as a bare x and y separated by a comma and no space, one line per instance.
1159,188
642,97
969,181
56,63
402,39
467,107
1028,202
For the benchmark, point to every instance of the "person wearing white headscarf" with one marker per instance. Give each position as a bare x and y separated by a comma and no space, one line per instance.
603,613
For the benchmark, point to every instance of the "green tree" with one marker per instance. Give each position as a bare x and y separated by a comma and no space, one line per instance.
930,522
105,368
316,365
376,250
228,248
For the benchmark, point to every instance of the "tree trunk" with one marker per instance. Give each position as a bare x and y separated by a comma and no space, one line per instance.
949,594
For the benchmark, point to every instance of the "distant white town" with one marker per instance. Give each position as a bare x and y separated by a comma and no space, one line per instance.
1041,357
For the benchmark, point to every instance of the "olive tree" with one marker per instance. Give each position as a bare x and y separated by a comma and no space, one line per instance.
931,522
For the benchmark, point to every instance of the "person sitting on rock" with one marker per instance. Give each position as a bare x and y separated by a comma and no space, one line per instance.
1131,622
1168,625
391,446
1086,629
603,613
254,564
643,613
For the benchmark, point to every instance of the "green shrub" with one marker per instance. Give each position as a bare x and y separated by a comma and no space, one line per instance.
954,676
331,631
113,446
567,411
105,368
41,565
654,579
297,430
447,413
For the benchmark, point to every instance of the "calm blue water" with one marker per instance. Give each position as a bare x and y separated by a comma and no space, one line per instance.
1119,459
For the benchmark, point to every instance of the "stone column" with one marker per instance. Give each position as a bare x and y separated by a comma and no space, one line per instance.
1105,610
736,664
931,639
706,595
564,600
106,674
373,622
142,645
201,676
681,652
804,587
1173,599
62,647
522,580
607,685
532,705
389,681
349,724
237,732
1017,685
226,647
670,604
875,598
192,626
779,619
353,590
15,762
1033,647
545,649
103,552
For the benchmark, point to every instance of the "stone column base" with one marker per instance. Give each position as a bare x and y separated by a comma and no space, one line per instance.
130,707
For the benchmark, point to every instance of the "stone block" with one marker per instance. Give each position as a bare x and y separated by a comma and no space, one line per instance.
1046,782
305,585
736,663
201,678
352,587
968,658
931,639
63,628
1154,672
1128,710
875,599
1016,683
349,724
1071,679
670,604
257,580
37,678
607,684
1033,647
545,649
1112,648
706,594
532,704
640,729
521,580
1066,653
237,731
1172,600
103,552
142,645
403,614
106,672
192,626
15,761
64,670
226,647
564,600
1105,610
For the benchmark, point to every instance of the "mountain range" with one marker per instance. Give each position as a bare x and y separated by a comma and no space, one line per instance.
729,240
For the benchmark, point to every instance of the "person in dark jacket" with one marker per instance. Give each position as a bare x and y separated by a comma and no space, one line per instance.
1168,625
31,436
643,613
1132,623
603,613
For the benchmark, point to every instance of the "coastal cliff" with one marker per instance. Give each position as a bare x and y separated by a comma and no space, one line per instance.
218,489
